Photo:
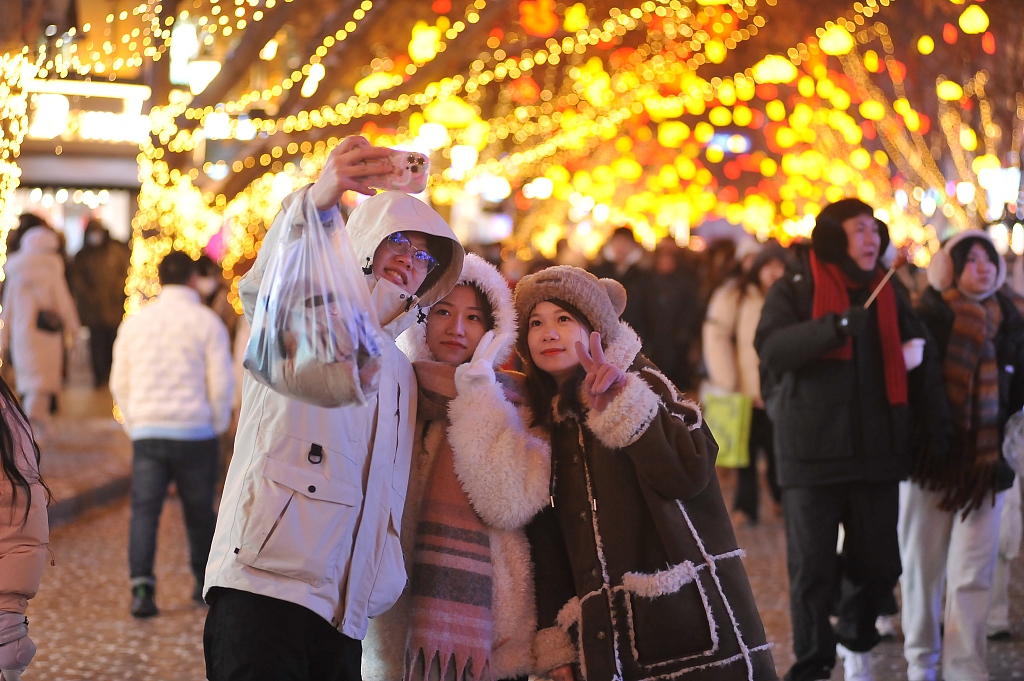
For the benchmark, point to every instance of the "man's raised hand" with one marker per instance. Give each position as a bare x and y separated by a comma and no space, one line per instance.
349,166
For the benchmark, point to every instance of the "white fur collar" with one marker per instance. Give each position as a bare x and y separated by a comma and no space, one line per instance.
623,350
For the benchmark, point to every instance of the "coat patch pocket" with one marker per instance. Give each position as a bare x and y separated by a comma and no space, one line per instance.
297,523
670,626
391,578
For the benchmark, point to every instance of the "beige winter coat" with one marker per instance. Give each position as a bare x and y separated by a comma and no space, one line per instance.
35,282
23,547
728,333
313,499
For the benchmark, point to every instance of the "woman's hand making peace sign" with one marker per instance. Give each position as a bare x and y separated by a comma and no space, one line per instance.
604,380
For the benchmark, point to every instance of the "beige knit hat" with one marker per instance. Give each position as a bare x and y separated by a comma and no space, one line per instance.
600,300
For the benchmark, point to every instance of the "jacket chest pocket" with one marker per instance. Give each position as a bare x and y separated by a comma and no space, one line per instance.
298,524
668,616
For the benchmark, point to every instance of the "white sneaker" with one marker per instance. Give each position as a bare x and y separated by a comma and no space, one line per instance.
915,673
856,666
885,625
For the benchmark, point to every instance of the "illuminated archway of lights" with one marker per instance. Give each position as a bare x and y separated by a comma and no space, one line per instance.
14,70
608,144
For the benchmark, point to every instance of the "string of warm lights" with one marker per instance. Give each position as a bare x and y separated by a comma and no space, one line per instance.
521,161
626,20
912,156
218,19
360,105
246,214
132,31
14,68
312,71
740,84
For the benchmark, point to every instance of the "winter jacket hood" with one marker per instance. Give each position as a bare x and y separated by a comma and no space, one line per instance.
40,241
482,275
40,245
382,215
941,272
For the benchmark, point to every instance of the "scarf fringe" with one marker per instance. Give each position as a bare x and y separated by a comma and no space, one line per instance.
966,475
960,491
460,669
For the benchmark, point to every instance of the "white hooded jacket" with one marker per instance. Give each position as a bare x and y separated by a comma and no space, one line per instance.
313,499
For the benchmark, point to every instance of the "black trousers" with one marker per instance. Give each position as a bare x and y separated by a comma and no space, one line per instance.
101,352
748,487
249,637
860,580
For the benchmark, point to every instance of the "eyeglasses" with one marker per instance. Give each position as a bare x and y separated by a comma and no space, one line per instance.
399,244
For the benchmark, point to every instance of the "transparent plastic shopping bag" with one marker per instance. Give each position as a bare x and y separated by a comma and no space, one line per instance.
314,335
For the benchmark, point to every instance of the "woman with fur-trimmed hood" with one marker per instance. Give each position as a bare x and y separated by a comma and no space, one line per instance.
636,562
478,476
950,509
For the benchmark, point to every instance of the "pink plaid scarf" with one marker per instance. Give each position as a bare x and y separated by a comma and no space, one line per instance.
452,575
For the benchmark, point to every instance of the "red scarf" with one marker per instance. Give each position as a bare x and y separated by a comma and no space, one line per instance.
831,294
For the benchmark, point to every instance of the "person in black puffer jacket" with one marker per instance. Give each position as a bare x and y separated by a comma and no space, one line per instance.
840,396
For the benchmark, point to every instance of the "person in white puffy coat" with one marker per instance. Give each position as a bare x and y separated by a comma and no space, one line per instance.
171,378
306,548
473,421
35,284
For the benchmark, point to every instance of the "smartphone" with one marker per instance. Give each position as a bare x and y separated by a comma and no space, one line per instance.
409,172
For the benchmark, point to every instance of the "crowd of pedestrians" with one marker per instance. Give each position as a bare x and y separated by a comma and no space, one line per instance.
565,520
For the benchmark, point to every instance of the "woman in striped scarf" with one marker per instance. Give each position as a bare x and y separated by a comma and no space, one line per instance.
478,476
950,509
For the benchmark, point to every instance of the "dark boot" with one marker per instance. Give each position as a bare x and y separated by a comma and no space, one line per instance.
143,604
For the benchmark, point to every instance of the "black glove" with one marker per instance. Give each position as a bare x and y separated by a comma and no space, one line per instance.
852,321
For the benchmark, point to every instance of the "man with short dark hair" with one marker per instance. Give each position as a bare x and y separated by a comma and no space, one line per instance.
841,397
172,380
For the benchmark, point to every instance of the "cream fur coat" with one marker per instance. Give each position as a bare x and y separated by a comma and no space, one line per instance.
504,469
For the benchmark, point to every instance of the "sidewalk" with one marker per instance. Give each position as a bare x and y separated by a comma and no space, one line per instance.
86,461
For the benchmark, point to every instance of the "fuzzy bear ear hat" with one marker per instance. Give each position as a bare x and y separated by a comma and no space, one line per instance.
942,272
600,300
482,275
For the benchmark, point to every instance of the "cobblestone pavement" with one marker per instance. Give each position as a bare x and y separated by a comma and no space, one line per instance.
80,618
765,560
86,461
